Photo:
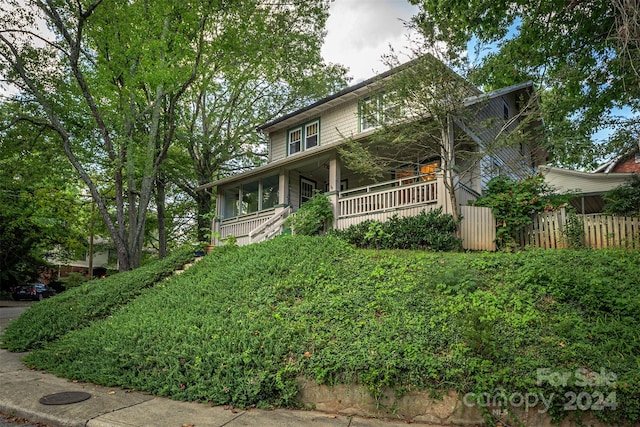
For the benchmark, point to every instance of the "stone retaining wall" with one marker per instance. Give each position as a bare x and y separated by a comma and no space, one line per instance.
420,408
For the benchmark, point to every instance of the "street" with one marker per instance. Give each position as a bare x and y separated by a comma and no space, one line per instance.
10,310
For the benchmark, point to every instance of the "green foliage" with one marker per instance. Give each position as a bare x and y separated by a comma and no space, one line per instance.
624,200
73,280
427,230
39,202
574,230
257,317
584,75
314,216
76,308
514,202
375,235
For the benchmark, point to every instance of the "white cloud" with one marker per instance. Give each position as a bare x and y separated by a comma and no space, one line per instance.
359,32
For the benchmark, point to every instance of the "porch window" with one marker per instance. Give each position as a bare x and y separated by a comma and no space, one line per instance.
270,191
232,202
250,197
426,172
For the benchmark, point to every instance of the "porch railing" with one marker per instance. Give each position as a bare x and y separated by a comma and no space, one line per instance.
244,224
271,227
388,195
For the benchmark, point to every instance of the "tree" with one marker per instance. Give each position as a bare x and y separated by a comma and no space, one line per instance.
110,78
623,200
422,115
583,55
221,112
514,202
38,196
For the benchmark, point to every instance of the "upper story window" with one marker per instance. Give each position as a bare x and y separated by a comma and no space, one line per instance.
295,140
378,109
308,132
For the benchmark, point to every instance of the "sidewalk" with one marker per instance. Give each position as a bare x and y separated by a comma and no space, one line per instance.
21,389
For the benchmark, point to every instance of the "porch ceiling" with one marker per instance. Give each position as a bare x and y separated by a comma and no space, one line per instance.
304,162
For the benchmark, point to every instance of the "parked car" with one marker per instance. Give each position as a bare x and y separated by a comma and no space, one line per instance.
35,292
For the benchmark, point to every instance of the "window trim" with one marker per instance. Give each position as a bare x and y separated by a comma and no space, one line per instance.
382,106
306,134
506,111
240,187
303,136
289,142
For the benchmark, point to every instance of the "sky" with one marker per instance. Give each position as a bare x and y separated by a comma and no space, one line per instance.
359,32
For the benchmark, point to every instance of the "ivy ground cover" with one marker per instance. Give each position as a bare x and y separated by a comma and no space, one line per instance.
243,324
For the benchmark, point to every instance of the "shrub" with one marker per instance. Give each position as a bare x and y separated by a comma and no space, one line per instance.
514,202
427,230
76,308
314,216
625,199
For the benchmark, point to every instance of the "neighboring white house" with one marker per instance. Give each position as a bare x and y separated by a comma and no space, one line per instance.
95,261
304,157
587,186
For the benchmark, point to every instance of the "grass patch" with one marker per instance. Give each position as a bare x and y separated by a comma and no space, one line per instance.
240,326
76,308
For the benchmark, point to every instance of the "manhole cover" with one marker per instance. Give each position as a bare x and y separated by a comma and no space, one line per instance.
65,398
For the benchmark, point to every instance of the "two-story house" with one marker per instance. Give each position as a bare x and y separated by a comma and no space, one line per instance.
304,158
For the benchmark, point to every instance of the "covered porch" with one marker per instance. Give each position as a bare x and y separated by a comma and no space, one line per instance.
253,206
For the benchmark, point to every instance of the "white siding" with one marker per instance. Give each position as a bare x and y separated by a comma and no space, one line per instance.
335,125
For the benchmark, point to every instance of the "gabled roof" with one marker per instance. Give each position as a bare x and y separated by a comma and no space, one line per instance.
359,90
498,93
611,164
337,98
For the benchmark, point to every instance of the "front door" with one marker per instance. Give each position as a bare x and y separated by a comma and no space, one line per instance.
307,189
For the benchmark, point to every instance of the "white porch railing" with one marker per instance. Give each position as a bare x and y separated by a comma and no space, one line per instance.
243,225
271,227
386,196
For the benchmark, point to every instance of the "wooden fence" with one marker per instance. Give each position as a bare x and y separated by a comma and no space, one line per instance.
478,228
549,230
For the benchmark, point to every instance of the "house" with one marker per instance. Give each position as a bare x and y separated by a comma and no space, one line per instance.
627,163
589,187
92,263
304,157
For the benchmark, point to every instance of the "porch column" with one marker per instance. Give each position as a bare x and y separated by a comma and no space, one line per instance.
283,187
215,223
334,185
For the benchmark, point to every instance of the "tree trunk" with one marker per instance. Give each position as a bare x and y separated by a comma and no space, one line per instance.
162,230
204,205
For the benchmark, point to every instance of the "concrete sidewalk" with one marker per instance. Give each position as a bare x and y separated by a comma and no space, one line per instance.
21,389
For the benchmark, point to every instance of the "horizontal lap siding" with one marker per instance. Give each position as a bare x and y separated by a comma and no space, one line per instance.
335,125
